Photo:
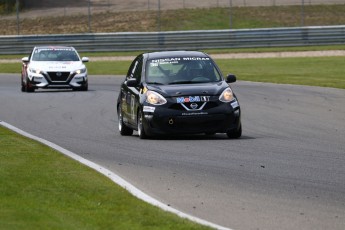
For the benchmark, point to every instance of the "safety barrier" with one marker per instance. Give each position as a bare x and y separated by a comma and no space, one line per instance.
190,40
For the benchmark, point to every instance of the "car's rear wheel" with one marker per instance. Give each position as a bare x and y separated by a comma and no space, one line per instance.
123,129
141,131
235,134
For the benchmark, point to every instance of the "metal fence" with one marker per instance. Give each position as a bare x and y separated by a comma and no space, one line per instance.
206,39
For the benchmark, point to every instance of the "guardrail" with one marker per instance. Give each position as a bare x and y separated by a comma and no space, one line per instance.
195,40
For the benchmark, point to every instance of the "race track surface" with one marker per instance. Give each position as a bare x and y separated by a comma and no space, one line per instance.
286,172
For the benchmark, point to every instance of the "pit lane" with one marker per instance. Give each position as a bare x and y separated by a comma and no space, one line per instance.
287,171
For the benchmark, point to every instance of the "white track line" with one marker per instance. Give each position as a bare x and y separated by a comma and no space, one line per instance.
115,178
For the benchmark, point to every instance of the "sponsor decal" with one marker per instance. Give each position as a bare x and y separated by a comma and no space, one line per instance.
144,90
175,60
205,98
192,99
188,99
163,61
57,67
52,49
196,58
234,104
194,114
149,109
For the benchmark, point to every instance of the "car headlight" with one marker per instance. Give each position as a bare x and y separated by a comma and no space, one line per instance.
79,71
36,71
227,95
155,98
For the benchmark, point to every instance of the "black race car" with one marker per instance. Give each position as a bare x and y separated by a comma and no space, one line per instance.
177,92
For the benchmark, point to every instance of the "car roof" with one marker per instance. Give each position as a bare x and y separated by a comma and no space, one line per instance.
54,47
180,53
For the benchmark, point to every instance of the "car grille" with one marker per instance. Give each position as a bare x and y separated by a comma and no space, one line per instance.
209,105
195,124
58,76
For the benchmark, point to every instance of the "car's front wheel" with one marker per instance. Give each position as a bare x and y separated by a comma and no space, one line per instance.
235,134
27,86
85,87
141,131
123,129
22,85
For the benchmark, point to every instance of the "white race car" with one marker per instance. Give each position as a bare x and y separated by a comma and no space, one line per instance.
54,67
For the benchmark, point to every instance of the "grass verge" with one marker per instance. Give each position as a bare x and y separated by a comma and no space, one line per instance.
314,71
42,189
180,19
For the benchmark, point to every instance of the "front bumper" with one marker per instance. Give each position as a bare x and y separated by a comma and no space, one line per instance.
221,119
52,80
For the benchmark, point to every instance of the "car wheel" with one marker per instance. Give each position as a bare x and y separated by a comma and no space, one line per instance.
123,129
22,88
141,131
27,87
85,87
235,134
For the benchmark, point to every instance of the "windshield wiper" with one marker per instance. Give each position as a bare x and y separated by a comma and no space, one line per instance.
181,82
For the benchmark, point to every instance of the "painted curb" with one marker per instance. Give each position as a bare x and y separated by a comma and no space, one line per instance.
115,178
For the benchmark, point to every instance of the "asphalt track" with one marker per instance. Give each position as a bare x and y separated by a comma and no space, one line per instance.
286,172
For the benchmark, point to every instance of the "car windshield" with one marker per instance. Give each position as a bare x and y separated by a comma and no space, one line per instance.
55,54
181,70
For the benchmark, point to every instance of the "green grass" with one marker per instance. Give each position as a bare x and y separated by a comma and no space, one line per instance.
181,19
314,71
252,17
42,189
108,67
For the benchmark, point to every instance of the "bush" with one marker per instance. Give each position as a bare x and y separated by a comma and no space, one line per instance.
9,6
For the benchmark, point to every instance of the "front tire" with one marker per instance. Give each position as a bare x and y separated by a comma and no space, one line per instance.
235,134
123,129
22,88
27,86
85,87
141,131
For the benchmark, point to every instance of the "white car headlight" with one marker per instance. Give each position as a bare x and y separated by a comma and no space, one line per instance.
227,95
155,98
36,71
79,71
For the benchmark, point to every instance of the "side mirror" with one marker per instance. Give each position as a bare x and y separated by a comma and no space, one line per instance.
132,82
25,59
231,78
85,59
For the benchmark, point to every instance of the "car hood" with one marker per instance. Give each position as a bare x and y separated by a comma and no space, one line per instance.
209,89
48,66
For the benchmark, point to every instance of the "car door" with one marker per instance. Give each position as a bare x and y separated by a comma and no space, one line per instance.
131,94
